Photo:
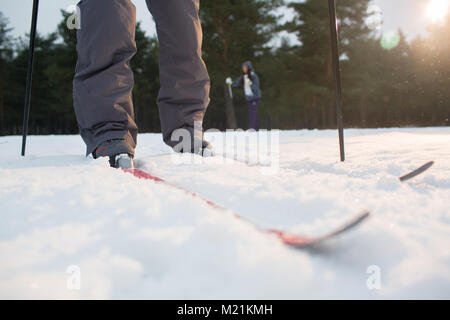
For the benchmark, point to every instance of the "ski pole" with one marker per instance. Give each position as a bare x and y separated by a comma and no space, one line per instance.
337,74
26,113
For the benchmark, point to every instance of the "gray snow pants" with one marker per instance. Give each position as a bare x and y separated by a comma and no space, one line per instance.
103,82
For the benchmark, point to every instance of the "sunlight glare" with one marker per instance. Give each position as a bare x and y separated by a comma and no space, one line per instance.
437,10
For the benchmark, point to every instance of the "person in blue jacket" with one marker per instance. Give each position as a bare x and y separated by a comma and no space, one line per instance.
249,81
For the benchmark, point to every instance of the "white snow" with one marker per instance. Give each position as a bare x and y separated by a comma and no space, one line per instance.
131,238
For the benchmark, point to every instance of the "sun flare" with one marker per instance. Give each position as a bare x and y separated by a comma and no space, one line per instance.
437,9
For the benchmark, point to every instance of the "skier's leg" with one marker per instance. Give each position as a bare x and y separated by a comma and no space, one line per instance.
103,78
251,114
249,104
257,102
184,94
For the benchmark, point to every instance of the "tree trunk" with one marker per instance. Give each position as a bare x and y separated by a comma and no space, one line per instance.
229,109
362,113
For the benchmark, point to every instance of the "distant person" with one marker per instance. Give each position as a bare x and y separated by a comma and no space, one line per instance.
249,81
103,83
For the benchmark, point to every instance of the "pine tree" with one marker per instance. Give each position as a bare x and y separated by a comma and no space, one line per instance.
146,82
5,57
312,28
233,31
432,74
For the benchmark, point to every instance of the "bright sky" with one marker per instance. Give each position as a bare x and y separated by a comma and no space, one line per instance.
409,15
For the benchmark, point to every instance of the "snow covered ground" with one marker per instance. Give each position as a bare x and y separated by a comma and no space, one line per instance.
67,220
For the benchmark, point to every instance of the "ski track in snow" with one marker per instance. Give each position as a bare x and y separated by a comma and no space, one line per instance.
133,238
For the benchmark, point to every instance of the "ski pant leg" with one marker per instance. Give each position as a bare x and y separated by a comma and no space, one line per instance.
103,82
253,114
185,85
256,114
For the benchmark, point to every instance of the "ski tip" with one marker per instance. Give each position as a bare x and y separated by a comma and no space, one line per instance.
299,242
349,225
416,172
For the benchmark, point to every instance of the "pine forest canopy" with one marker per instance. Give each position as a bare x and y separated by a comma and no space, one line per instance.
386,80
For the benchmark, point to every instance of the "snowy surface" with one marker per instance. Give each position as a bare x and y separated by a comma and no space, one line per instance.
133,238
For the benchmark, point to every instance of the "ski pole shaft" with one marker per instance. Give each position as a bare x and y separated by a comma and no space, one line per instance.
26,113
337,74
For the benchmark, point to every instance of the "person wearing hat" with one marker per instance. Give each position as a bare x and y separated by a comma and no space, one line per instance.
249,81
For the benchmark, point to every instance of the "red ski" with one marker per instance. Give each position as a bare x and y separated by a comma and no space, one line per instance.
289,239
